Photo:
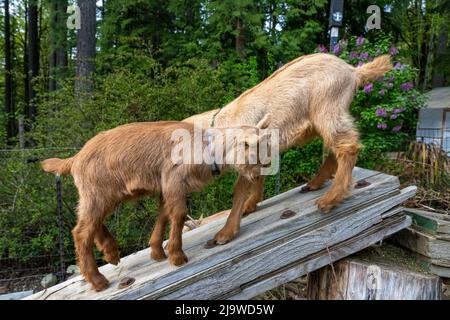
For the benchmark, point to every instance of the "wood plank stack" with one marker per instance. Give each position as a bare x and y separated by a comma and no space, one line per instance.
429,238
267,252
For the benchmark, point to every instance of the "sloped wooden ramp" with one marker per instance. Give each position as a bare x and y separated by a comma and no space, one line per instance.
268,251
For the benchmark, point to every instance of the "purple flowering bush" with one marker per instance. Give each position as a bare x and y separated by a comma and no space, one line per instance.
386,108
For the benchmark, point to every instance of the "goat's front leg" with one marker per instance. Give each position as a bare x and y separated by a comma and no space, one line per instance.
256,195
157,238
326,171
176,207
240,196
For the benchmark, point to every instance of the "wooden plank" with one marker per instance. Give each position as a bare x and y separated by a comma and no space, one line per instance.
281,230
424,244
430,222
357,174
16,295
260,233
269,258
325,257
441,271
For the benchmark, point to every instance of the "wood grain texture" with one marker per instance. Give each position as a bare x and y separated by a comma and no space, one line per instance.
264,247
424,244
322,258
355,279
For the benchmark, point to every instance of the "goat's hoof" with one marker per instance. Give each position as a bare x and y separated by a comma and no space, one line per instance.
113,258
99,282
158,255
325,205
210,244
223,237
308,188
248,209
178,258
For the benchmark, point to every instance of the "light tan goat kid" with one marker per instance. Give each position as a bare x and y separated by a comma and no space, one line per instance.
309,97
134,160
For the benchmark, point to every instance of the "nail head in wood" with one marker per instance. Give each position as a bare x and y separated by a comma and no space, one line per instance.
287,214
361,184
126,282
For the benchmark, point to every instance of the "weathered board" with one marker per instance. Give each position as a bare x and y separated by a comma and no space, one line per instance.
424,243
429,238
268,250
433,223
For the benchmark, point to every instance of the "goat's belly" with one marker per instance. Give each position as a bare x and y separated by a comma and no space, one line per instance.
138,188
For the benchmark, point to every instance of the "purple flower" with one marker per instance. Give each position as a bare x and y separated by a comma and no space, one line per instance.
393,51
337,49
406,86
354,55
398,66
359,64
322,48
368,87
381,112
397,110
359,41
391,79
397,128
382,126
394,116
381,92
364,55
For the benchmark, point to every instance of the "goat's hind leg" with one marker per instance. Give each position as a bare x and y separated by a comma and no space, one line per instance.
106,243
345,147
90,219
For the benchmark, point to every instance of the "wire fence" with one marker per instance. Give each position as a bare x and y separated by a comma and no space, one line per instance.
436,136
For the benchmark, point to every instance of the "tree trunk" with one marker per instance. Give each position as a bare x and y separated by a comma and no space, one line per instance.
58,37
372,279
26,78
85,47
11,127
33,57
441,50
240,38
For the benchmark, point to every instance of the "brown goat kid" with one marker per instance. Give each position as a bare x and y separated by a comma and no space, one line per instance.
134,160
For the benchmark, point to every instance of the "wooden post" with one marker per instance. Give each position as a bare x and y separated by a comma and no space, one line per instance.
372,279
61,227
21,133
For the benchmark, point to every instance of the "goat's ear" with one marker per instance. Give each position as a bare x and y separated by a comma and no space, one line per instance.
265,122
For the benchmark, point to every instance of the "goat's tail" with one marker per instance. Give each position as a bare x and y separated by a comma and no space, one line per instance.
374,69
57,166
